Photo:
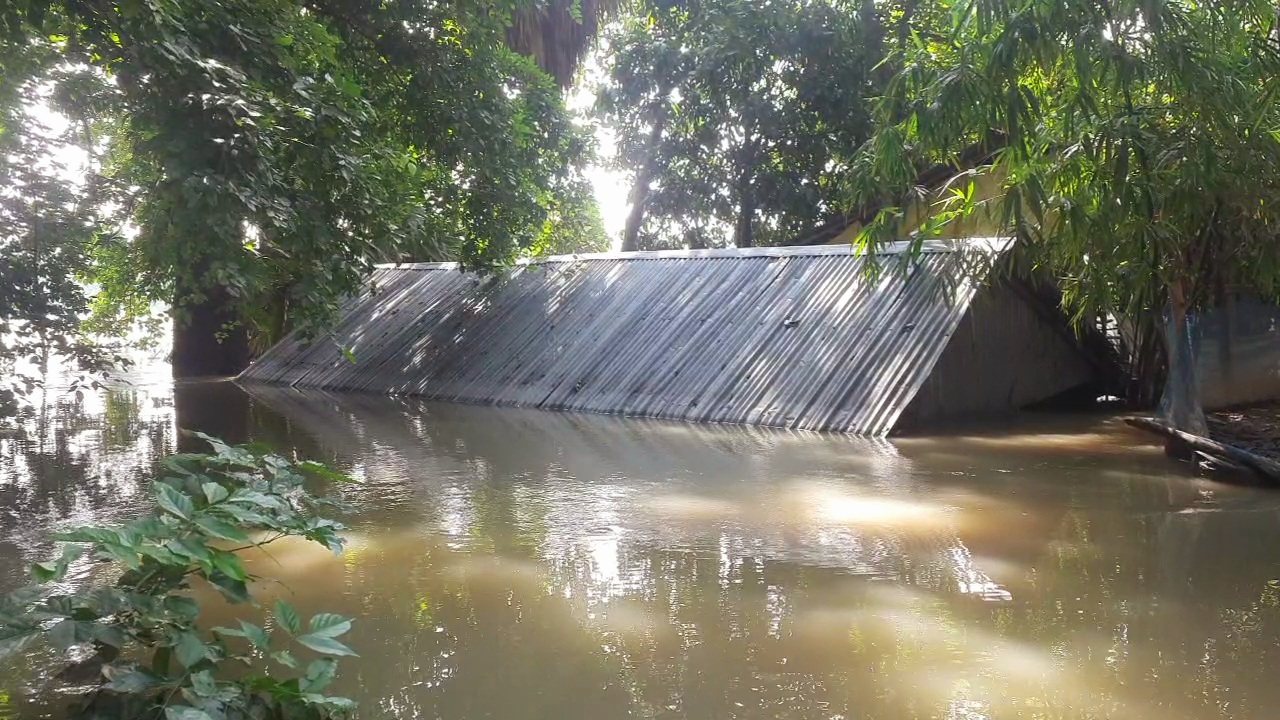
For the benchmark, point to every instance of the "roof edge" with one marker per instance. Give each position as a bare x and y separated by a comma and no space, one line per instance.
982,244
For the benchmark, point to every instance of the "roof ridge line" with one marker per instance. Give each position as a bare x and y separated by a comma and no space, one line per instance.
989,244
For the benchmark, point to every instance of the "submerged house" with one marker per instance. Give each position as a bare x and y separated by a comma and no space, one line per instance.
796,337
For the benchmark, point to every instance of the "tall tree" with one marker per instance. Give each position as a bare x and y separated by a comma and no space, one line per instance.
269,152
1131,146
48,221
736,117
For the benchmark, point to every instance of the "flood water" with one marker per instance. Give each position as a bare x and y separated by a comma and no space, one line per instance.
526,565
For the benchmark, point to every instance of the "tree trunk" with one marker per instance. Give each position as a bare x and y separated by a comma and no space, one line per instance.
872,27
216,407
640,189
695,238
208,337
743,236
1182,390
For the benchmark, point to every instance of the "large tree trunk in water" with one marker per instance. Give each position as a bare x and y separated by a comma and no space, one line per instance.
209,338
216,407
640,189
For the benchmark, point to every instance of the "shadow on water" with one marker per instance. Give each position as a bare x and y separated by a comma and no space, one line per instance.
536,565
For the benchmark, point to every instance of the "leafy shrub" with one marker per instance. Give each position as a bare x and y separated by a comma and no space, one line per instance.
147,653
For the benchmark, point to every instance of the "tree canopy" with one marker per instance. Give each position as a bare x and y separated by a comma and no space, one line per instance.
250,160
46,227
262,155
1132,141
737,117
1132,147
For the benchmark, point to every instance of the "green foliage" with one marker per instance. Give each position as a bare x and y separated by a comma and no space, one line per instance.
153,657
272,151
738,116
48,222
573,224
1132,146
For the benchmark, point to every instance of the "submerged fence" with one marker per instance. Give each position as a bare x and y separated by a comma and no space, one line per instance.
1227,356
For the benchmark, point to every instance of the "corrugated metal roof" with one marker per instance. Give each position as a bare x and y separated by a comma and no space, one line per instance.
797,337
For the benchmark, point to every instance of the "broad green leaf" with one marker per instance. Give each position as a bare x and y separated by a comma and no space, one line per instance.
88,535
57,606
330,540
219,447
221,529
228,693
183,463
288,617
253,498
202,683
234,590
253,633
47,571
122,554
183,607
69,633
104,600
129,679
319,674
256,634
328,625
350,87
185,712
215,493
325,645
190,547
245,515
25,595
160,554
190,649
174,502
229,564
110,635
339,703
286,658
56,570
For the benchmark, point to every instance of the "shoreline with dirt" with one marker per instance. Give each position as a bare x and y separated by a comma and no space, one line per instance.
1255,428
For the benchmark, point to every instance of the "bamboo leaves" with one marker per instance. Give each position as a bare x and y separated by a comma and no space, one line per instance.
1121,142
1120,125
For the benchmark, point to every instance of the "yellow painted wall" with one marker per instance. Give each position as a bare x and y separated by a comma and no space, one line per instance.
984,222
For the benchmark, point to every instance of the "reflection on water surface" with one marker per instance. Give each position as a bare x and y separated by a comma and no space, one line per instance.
528,565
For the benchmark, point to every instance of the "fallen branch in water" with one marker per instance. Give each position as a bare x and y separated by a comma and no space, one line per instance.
1265,468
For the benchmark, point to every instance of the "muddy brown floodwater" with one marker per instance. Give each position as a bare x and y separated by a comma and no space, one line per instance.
525,565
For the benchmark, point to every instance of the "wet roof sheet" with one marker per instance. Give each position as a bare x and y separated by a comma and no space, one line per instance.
798,337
